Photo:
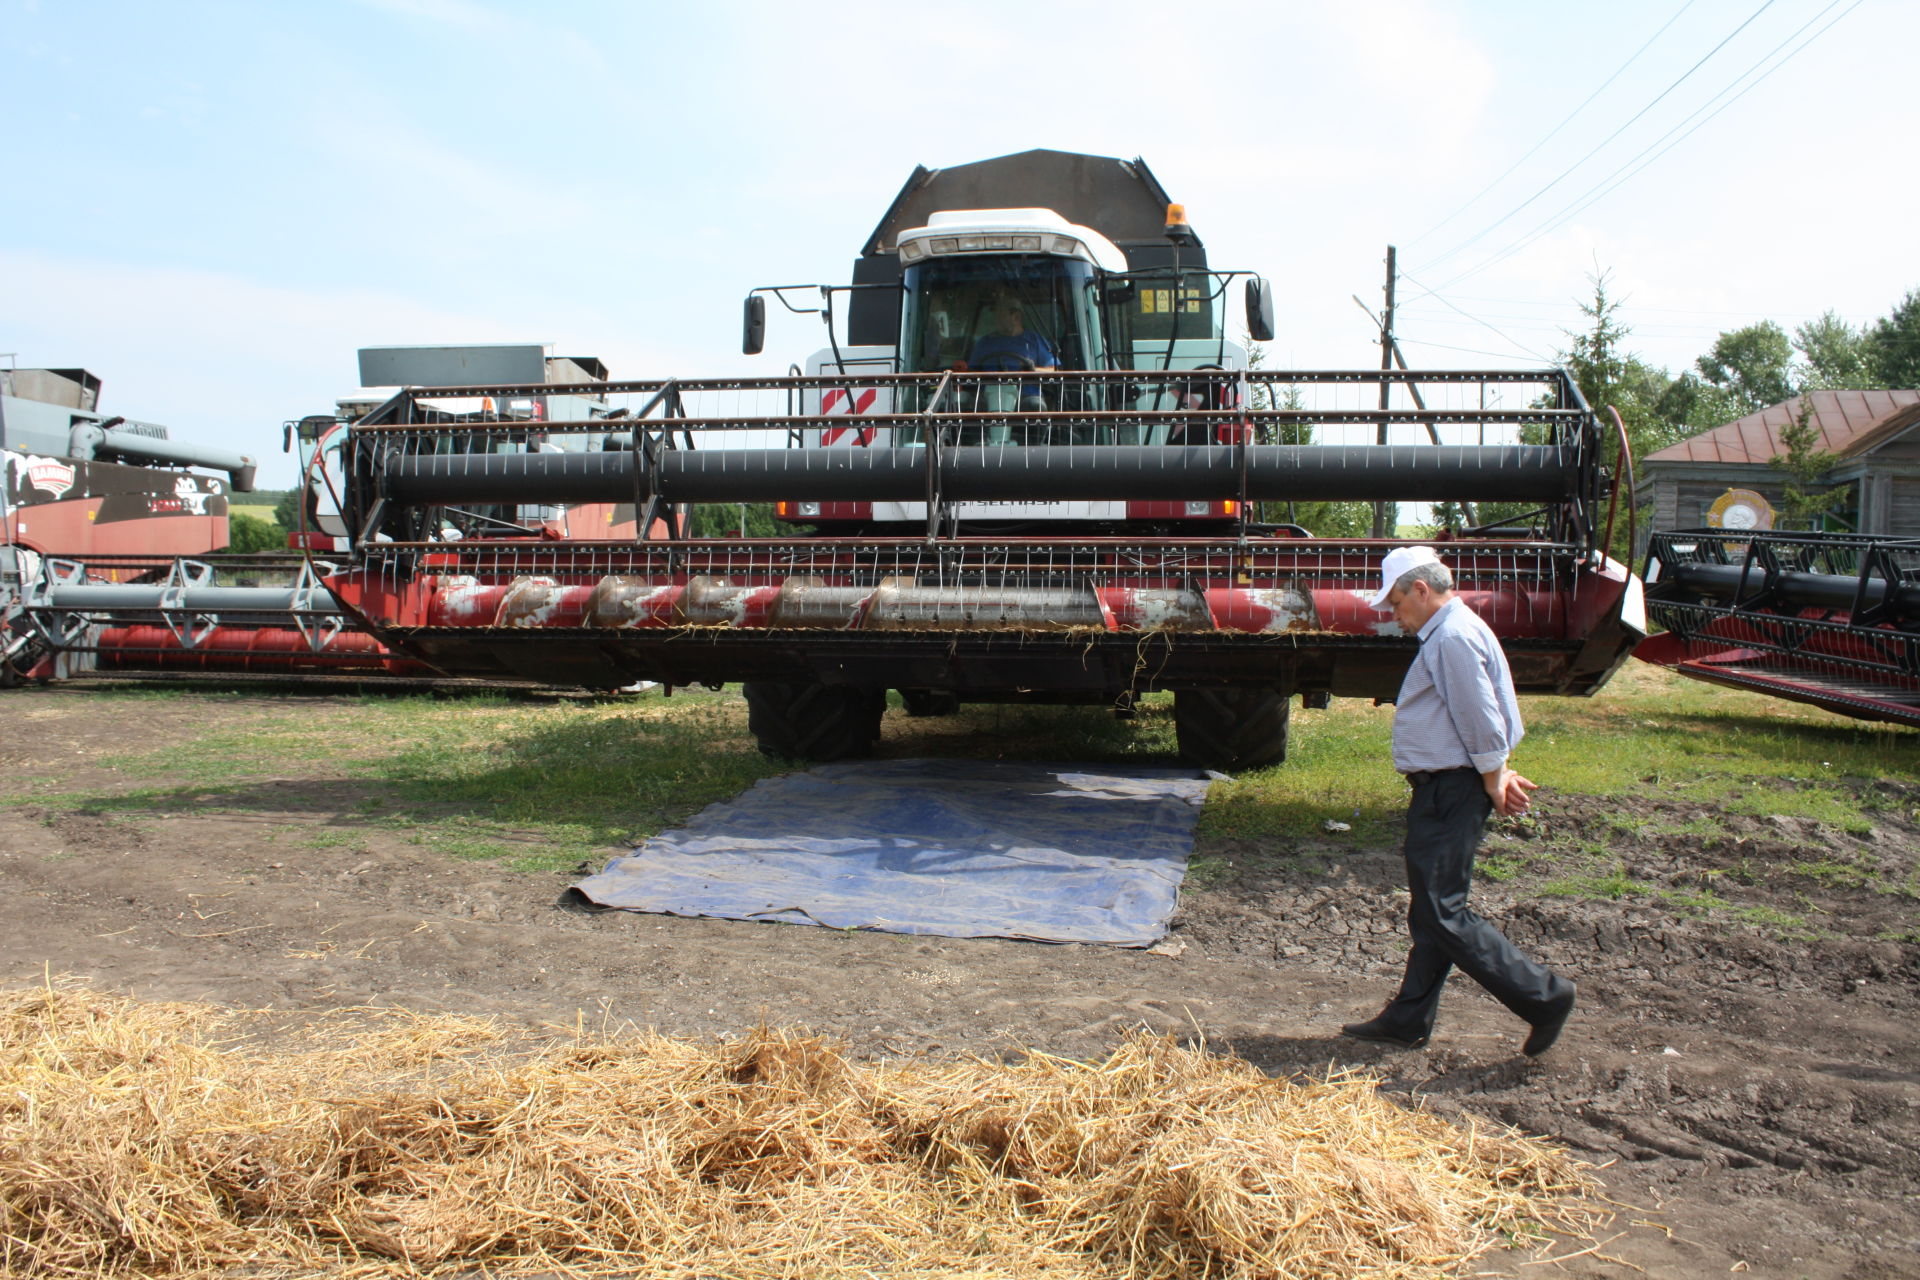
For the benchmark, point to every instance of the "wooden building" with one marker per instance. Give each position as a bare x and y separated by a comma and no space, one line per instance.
1874,434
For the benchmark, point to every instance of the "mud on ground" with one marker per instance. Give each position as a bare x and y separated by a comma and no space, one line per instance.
1745,1060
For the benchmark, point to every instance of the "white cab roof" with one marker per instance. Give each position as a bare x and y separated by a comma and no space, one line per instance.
1056,235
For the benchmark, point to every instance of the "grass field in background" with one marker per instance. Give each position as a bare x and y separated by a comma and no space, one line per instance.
542,782
1648,735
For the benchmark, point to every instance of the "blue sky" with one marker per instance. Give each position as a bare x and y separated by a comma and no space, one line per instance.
211,205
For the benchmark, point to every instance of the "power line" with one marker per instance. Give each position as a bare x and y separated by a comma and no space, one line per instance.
1524,322
1541,324
1472,351
1484,231
1596,193
1493,329
1554,132
1666,311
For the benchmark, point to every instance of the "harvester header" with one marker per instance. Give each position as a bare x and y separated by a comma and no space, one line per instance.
978,593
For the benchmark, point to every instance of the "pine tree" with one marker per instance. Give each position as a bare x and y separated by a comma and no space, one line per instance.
1804,506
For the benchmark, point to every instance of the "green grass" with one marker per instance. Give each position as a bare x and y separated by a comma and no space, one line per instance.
544,782
540,784
1612,884
1338,768
1653,734
1502,866
1783,924
1647,735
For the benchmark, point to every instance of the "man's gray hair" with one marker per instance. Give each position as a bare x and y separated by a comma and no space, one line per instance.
1433,574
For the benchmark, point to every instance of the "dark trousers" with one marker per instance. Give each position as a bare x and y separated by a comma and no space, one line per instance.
1444,824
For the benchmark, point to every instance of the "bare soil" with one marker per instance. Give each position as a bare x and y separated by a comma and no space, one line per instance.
1751,1089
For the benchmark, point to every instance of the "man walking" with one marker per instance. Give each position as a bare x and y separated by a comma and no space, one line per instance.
1455,724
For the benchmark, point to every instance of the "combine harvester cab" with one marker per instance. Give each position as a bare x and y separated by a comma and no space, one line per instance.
1080,533
1828,619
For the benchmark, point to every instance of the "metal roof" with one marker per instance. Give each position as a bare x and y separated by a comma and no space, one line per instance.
1850,423
1120,199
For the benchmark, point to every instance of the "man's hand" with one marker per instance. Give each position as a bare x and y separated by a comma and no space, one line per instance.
1508,791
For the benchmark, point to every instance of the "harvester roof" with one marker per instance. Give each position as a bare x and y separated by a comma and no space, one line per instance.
1121,199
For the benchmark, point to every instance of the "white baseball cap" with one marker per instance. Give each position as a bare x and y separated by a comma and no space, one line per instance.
1395,566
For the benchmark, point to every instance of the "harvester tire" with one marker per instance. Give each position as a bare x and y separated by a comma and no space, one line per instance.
813,721
1229,729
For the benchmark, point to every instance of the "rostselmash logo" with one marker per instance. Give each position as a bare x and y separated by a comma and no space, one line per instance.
49,476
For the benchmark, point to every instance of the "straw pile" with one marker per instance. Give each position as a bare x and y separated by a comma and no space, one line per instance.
168,1140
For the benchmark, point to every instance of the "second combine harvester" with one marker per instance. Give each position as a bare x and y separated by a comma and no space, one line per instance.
1030,467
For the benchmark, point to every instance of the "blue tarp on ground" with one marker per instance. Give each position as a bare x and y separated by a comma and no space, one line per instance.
958,848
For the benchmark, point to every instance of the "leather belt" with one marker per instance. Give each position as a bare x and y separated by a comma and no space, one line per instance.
1424,776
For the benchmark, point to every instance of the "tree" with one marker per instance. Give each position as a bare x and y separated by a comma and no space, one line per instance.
1804,507
247,534
286,512
1753,366
1834,355
722,520
1893,345
1610,377
1594,356
1448,517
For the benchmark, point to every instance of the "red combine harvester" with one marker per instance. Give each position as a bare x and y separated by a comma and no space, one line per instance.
142,601
1828,619
1031,473
78,480
101,488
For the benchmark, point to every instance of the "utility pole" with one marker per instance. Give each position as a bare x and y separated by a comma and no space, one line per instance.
1381,525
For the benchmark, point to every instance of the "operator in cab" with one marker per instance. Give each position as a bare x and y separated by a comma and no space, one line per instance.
1013,346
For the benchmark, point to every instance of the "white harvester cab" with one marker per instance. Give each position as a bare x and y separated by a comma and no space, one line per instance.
1013,290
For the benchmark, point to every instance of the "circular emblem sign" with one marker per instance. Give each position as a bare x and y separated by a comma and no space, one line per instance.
1740,509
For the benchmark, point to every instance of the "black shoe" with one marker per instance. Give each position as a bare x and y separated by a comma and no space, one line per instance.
1547,1029
1383,1032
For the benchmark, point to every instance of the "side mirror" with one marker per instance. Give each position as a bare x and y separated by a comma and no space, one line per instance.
753,335
1259,309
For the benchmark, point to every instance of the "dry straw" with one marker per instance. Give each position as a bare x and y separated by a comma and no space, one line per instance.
169,1140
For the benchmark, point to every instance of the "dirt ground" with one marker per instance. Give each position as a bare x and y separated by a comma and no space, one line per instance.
1754,1098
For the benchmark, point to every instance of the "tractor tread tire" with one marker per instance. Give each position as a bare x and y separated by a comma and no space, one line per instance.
1231,729
819,722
